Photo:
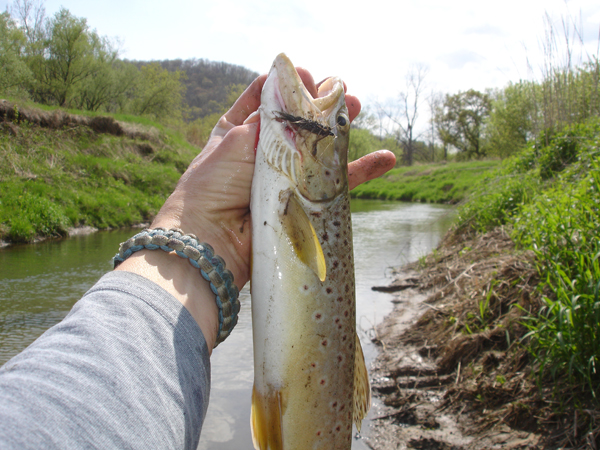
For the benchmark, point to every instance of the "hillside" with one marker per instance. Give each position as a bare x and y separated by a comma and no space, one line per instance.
208,84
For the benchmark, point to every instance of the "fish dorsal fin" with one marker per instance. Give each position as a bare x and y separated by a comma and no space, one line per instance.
302,235
265,420
362,388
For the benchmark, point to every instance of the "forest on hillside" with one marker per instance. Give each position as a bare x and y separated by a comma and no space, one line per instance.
60,61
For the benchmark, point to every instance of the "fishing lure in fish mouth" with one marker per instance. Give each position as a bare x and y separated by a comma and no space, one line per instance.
310,379
311,126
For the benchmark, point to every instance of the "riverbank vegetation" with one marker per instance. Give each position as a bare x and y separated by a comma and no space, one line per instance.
429,183
508,343
514,319
548,197
62,170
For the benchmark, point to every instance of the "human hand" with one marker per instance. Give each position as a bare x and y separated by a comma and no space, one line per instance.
212,198
212,201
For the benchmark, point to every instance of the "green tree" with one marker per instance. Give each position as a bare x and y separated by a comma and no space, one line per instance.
70,57
362,142
159,93
109,90
460,122
512,119
14,73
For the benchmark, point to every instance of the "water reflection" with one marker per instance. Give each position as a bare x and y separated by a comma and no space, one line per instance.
40,283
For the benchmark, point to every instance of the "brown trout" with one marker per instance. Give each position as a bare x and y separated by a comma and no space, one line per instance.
310,379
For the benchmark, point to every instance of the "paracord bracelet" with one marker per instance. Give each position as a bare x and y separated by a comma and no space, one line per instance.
201,256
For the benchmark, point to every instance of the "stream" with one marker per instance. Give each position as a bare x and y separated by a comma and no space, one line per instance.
39,284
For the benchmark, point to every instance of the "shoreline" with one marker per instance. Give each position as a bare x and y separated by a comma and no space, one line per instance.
428,377
71,232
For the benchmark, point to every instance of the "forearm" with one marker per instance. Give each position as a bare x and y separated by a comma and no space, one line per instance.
184,282
127,368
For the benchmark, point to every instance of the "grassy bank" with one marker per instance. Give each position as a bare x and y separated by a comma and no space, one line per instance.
549,196
434,183
80,170
534,303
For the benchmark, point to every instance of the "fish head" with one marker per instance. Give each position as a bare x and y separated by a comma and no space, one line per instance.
315,129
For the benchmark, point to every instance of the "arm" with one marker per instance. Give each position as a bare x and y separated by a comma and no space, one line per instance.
129,366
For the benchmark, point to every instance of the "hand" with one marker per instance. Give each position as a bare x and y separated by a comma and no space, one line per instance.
212,201
212,198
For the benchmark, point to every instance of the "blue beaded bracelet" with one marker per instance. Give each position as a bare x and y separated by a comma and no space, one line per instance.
201,256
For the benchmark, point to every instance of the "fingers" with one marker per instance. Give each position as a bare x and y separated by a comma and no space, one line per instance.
248,102
308,80
370,166
353,104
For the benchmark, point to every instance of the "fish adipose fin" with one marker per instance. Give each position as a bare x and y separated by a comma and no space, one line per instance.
265,420
362,388
302,234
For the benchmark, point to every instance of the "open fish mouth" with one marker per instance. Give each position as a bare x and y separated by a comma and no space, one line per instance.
314,131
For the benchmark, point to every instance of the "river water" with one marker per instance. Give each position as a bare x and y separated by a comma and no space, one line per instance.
40,283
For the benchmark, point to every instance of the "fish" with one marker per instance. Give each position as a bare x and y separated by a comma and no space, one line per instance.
310,378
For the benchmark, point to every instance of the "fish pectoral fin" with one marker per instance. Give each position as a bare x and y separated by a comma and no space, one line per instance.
362,387
265,420
302,235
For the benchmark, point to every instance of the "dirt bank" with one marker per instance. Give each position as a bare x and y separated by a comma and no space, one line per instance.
13,113
458,377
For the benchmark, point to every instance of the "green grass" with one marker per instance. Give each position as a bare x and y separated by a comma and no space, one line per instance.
55,179
435,183
561,226
550,197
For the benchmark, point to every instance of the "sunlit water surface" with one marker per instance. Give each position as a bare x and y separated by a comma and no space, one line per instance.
40,283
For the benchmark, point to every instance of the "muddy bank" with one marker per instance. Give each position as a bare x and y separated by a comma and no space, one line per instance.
452,373
14,113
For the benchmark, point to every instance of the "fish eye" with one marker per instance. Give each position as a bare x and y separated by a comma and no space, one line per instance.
342,120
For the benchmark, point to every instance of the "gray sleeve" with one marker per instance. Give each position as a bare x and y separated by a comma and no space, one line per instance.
128,368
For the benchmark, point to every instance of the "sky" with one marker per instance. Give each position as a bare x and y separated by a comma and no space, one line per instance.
371,44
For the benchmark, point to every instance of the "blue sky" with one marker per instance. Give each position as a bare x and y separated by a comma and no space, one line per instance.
370,44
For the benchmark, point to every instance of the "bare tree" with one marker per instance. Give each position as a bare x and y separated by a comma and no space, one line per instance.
403,114
31,15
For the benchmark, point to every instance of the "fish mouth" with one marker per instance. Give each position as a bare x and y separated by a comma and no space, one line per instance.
295,98
316,129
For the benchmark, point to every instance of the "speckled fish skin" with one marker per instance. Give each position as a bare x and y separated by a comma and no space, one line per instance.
303,296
